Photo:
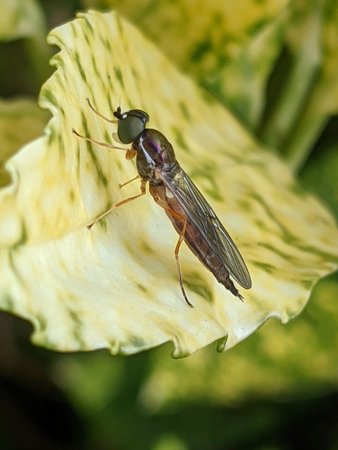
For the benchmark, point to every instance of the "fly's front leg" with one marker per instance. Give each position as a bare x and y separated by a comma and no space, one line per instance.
102,144
123,202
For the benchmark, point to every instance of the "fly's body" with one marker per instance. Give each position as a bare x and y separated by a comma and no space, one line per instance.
154,155
173,190
194,238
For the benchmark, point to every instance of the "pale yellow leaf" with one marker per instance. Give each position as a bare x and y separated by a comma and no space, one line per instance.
116,286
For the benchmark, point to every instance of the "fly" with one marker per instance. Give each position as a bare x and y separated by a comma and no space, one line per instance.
191,215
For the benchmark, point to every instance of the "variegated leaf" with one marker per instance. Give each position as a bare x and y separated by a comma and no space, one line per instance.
115,286
21,120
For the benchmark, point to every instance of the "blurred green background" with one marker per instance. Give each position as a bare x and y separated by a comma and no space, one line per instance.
278,390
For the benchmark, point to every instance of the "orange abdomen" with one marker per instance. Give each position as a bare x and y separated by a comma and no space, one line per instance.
193,237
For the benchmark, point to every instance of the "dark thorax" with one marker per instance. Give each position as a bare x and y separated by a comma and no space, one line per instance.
155,155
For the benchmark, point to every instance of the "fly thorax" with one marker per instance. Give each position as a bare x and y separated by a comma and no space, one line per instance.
154,154
156,148
145,168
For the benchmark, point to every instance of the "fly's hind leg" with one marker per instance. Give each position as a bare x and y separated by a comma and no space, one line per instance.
177,249
123,202
183,219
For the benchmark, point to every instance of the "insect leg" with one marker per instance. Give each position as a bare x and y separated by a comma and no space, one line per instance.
130,153
102,144
180,217
177,248
123,202
127,200
127,182
99,114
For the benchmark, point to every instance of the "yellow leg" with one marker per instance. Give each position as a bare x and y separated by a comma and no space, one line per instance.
177,248
123,202
127,200
160,199
127,182
102,144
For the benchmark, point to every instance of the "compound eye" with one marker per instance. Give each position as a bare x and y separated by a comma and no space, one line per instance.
129,129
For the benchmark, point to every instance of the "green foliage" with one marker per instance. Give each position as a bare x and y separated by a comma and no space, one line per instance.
114,286
278,388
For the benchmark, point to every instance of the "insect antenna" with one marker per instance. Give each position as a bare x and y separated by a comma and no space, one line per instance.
99,114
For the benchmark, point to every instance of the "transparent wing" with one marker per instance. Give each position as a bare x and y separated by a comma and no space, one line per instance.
204,218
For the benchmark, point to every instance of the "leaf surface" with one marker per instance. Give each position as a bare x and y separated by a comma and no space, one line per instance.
116,286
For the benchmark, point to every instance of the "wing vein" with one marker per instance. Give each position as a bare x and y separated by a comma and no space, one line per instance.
204,218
